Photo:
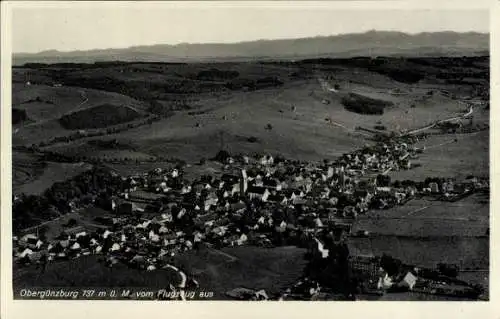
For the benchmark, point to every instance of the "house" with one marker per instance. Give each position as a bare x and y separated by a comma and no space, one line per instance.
448,187
25,253
277,198
333,201
234,189
242,239
28,240
434,187
260,193
292,193
106,234
321,192
266,160
299,201
282,227
330,172
332,214
257,181
409,281
261,295
175,173
211,200
384,282
320,248
383,189
115,247
318,222
35,257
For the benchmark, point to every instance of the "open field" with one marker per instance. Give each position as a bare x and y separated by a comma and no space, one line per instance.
132,168
89,272
217,271
301,125
35,176
411,296
466,252
270,269
445,158
472,208
45,105
422,218
26,167
422,230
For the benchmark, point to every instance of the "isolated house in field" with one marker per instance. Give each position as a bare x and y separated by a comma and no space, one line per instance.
260,193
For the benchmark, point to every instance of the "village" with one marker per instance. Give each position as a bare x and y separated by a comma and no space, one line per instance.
262,201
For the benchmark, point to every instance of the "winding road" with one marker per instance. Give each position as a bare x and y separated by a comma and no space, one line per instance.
428,127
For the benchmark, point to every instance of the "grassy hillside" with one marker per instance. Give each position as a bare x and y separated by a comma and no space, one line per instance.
277,107
271,269
88,272
98,117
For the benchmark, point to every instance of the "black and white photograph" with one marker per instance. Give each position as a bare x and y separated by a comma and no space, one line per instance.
249,152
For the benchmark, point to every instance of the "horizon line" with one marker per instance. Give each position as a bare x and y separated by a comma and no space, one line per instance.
250,41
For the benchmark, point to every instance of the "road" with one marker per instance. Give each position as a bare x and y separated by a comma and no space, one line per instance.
326,87
417,210
425,128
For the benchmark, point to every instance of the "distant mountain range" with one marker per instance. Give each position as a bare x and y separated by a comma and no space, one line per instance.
371,43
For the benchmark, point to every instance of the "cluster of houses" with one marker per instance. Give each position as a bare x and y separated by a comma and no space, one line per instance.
257,200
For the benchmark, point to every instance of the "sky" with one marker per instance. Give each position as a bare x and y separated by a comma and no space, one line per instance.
69,28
